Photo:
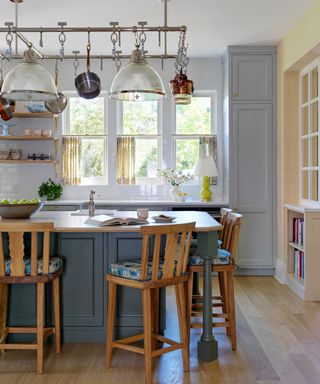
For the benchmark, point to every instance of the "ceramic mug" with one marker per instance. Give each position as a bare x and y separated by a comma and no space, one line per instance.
37,132
28,132
143,213
46,132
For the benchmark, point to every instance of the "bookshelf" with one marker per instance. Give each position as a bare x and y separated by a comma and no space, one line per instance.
303,250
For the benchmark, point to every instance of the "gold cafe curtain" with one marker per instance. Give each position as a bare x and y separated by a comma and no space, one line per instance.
126,148
71,156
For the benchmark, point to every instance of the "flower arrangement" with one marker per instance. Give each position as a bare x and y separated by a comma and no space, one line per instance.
173,177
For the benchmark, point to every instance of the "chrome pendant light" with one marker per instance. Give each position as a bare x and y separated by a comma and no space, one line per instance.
29,81
137,81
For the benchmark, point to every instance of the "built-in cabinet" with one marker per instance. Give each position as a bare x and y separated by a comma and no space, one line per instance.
250,74
302,250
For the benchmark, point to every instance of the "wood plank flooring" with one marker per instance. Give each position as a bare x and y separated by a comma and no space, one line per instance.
278,343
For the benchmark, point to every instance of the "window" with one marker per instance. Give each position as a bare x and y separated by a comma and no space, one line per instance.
195,124
309,133
85,141
138,142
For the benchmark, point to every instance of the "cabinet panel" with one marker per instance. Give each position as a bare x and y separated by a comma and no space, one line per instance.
255,243
252,77
252,156
82,280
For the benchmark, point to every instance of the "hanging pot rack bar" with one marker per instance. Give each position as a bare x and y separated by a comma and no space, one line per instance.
133,29
83,57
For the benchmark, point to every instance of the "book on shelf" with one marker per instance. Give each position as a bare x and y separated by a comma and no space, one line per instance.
299,263
105,220
297,230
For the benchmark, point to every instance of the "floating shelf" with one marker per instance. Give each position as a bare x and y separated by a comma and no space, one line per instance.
29,161
35,114
30,138
296,246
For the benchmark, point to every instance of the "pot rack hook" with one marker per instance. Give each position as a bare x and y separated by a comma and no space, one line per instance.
114,38
9,39
41,38
101,63
62,38
89,43
118,61
56,72
75,62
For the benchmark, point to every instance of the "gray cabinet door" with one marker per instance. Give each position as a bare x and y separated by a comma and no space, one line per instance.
252,77
251,181
82,283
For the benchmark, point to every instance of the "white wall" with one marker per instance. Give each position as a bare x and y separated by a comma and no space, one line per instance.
17,181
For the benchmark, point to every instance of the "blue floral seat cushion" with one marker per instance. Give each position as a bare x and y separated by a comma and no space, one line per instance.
55,264
132,270
222,258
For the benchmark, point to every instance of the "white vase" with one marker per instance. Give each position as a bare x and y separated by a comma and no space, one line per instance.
174,193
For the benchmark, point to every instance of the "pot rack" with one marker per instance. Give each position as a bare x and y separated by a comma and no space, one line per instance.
114,29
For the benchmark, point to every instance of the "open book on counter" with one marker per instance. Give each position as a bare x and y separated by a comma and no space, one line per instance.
105,220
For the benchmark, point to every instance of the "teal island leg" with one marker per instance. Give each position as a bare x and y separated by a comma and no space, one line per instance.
207,248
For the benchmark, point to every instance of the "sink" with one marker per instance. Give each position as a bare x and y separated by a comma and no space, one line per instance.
85,212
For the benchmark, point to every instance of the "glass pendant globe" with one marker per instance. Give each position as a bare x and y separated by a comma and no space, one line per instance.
29,81
137,81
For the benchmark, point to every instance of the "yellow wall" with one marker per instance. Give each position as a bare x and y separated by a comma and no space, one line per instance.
298,48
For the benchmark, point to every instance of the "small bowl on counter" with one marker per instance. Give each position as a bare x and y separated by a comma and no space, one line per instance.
19,211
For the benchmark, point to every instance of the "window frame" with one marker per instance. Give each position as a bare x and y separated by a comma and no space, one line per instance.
307,71
214,127
158,136
96,180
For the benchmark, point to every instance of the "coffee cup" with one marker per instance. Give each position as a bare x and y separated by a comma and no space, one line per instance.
28,132
143,213
37,132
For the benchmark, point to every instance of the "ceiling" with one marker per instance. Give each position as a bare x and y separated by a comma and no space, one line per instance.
212,24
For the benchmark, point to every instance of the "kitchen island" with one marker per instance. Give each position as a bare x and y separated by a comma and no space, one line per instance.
87,251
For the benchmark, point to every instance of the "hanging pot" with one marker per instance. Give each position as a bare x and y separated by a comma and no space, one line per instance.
88,84
5,108
58,105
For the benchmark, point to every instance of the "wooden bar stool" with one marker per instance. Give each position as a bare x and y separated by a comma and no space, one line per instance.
149,275
18,269
224,264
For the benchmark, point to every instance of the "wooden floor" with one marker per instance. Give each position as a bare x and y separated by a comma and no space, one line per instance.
278,342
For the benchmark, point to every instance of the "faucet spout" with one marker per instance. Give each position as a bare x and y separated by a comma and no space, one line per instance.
91,204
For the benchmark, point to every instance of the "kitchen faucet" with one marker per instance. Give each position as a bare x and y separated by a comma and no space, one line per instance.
90,204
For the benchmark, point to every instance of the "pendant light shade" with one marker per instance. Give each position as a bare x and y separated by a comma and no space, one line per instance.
29,81
137,81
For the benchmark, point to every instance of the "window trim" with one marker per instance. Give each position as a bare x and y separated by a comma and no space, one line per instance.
214,127
98,180
158,136
310,101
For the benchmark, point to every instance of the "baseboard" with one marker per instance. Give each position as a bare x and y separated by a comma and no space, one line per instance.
280,272
256,271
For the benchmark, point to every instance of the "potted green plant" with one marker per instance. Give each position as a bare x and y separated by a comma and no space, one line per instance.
50,190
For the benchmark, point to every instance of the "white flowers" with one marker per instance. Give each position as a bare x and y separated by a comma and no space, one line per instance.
173,177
